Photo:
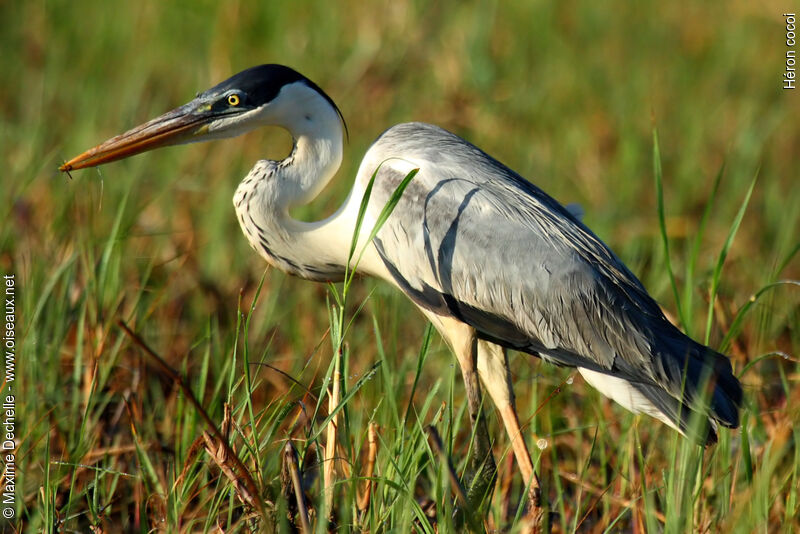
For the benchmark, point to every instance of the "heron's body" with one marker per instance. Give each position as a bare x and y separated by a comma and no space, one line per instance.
491,259
471,240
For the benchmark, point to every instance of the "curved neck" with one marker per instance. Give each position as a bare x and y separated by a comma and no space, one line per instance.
310,250
313,162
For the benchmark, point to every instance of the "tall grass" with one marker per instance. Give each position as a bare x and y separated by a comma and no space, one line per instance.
567,94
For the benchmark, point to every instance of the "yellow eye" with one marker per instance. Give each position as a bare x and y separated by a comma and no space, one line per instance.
233,100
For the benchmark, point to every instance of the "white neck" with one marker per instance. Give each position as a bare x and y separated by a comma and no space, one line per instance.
315,158
316,251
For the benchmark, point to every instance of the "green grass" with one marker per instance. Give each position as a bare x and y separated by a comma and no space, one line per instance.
568,94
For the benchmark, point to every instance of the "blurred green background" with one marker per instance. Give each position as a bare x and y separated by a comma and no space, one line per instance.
565,93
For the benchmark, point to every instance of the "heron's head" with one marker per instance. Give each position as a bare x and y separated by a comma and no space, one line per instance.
259,96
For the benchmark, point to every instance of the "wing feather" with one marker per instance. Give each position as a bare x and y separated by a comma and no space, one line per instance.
472,239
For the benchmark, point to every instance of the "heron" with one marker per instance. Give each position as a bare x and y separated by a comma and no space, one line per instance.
493,261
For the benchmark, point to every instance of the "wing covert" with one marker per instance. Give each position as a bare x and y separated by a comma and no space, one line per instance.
471,239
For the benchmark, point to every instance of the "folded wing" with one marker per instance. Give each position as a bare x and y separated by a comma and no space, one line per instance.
473,240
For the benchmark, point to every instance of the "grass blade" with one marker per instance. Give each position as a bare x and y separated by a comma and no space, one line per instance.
662,225
736,324
387,210
350,393
715,279
688,290
423,353
746,457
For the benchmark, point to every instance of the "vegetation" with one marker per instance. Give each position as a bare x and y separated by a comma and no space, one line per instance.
706,212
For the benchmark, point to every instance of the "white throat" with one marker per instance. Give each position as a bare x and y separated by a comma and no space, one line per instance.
271,188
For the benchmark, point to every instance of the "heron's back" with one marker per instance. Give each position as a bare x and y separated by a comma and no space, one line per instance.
472,239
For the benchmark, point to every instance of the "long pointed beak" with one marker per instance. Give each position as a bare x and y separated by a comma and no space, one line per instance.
180,125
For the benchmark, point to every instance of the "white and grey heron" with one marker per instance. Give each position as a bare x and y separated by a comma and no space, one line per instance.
489,258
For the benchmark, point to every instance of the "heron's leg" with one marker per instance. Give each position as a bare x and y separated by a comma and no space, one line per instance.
464,344
494,372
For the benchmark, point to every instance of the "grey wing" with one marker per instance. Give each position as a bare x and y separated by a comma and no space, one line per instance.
519,287
471,239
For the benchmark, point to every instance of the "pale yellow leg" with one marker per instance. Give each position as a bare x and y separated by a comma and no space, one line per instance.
462,340
478,357
496,377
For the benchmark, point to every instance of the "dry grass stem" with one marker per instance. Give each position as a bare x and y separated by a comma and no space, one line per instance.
237,470
290,461
372,453
329,470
